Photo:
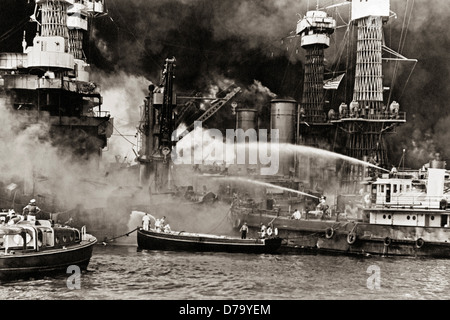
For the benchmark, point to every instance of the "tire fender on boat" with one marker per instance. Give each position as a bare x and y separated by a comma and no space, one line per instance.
351,237
329,233
419,243
387,241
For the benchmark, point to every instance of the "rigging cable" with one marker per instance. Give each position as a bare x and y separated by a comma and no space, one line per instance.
11,31
402,42
123,136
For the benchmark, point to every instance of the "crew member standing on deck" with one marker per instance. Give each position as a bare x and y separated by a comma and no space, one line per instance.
146,222
296,215
31,210
393,171
244,230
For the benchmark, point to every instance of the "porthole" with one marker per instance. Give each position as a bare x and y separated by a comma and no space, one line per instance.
57,240
384,216
71,237
389,216
408,217
414,217
432,217
64,238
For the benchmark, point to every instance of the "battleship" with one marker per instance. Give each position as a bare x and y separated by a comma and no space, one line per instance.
48,85
376,211
56,114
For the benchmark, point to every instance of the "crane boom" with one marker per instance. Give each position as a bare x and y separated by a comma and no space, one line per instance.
215,106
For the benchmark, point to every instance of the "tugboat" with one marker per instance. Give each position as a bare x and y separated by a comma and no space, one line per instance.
405,214
38,248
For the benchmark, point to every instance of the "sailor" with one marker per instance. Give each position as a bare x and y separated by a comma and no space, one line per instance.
343,110
158,225
167,228
393,171
146,221
296,215
322,206
12,217
367,200
31,210
244,230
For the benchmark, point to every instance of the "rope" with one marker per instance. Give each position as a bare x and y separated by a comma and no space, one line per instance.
123,235
220,223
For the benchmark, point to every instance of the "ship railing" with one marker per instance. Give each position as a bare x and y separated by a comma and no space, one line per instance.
83,233
383,116
412,202
102,114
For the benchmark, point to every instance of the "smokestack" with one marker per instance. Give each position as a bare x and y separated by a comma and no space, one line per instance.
246,119
283,117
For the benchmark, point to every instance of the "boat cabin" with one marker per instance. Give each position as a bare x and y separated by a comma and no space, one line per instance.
410,199
28,236
408,190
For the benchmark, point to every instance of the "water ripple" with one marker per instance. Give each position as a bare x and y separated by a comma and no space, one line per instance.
123,272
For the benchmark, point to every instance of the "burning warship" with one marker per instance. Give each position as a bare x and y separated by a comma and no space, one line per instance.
48,84
376,211
51,103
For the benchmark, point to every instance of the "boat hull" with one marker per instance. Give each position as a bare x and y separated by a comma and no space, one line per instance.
46,262
151,240
354,237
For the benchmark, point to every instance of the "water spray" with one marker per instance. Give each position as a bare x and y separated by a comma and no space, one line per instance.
269,185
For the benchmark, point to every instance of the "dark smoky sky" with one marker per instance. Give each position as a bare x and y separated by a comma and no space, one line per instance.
248,40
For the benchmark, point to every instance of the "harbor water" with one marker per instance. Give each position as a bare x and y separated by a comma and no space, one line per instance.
122,272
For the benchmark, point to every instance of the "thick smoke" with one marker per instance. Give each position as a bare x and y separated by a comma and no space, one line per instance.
218,42
247,41
30,161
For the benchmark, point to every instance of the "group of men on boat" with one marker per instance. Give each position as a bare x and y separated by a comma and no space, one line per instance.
265,231
322,207
160,224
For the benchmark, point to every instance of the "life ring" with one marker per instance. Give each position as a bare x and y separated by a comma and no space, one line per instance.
351,237
329,232
419,243
237,223
387,241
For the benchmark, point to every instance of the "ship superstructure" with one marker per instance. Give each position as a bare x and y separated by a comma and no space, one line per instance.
50,80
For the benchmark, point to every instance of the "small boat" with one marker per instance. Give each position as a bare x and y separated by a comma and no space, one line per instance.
186,241
30,249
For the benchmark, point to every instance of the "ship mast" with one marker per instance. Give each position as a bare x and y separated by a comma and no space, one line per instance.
364,123
315,30
313,127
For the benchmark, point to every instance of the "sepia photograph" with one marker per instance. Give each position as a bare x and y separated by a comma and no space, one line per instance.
224,158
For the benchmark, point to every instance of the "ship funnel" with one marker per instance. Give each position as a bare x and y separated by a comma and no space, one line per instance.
435,183
246,119
283,118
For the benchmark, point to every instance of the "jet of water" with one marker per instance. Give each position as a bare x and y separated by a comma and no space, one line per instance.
300,149
269,185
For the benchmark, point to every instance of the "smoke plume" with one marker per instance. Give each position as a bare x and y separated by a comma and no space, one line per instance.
249,43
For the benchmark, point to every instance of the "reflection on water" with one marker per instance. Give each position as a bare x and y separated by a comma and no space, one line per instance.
123,272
